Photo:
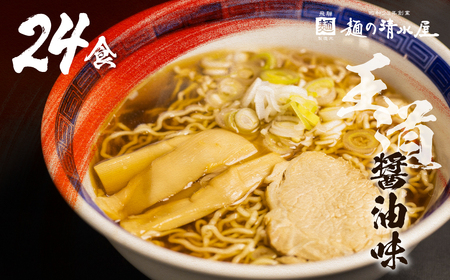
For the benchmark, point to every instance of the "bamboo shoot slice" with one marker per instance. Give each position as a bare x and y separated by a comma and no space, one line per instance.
115,173
171,173
203,153
113,205
223,190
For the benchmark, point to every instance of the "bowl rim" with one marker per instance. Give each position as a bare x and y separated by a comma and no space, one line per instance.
117,235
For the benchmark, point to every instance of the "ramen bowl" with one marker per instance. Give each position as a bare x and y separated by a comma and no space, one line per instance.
81,102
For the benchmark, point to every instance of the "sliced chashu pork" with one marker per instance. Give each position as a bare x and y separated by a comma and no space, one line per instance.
320,208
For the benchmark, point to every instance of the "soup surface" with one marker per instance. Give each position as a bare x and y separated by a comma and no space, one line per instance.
242,156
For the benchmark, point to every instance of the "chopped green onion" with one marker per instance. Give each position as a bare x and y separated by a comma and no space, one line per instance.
242,120
361,141
246,120
280,76
310,105
269,60
245,73
214,99
229,121
231,88
322,89
211,62
329,114
308,118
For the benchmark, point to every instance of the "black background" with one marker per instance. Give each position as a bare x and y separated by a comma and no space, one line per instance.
40,236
